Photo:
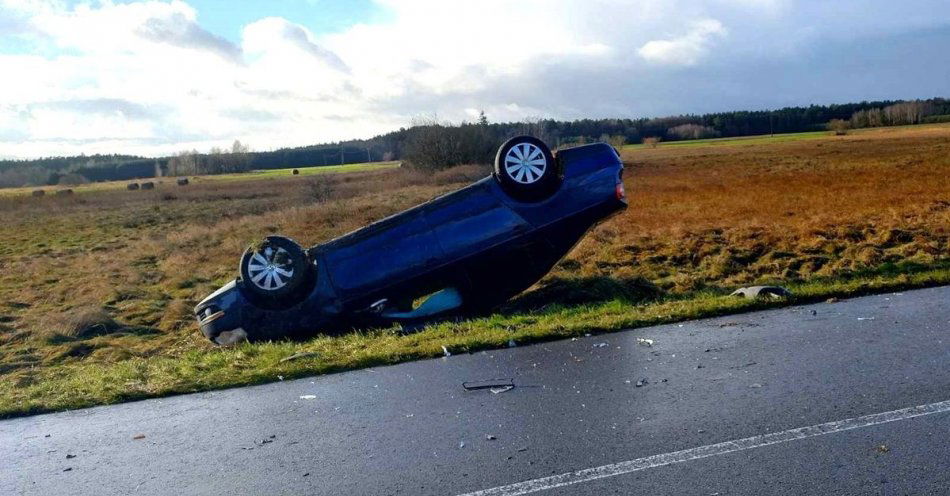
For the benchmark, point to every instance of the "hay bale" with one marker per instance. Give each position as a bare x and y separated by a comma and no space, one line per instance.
38,192
183,181
148,185
296,172
132,186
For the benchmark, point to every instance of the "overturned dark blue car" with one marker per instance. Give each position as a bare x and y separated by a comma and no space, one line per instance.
461,253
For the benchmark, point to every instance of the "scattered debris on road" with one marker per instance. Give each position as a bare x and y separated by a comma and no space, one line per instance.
490,437
645,342
755,385
883,448
736,367
266,440
138,436
600,345
68,456
309,397
446,351
740,324
299,355
501,389
832,300
488,384
865,318
753,292
461,444
642,382
67,469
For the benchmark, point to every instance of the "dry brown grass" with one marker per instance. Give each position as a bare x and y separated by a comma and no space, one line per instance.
722,216
699,217
112,274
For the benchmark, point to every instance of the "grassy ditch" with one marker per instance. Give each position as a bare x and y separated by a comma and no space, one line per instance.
82,385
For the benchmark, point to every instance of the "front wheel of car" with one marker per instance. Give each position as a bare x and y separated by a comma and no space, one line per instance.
275,268
525,168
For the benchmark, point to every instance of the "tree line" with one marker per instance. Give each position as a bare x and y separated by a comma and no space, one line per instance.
432,144
901,114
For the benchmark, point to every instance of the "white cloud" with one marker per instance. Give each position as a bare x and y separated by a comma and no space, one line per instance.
275,36
687,49
146,77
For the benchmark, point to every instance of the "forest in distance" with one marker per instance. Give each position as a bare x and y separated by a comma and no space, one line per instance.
433,144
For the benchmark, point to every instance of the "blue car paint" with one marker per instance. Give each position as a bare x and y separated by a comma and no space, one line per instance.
478,240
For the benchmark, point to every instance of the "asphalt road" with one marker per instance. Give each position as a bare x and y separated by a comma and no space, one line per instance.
576,422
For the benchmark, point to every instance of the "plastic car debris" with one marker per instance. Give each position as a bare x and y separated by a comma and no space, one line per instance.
762,292
488,384
299,355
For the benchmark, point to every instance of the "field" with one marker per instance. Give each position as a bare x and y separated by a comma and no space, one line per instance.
96,288
256,174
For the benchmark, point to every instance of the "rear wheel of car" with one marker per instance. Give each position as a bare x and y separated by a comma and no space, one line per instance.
275,268
526,169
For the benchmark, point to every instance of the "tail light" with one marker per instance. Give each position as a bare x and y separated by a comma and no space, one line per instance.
619,191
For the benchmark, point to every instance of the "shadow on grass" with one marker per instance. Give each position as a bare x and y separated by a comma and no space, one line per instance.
100,328
583,291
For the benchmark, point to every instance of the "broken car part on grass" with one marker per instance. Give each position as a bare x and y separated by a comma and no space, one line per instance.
464,252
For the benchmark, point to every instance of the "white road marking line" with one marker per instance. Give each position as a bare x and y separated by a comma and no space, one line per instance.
590,474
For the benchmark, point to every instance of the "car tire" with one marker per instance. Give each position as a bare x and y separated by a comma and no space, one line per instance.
525,168
275,268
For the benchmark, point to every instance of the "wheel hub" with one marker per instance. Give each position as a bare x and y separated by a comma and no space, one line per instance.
266,270
525,163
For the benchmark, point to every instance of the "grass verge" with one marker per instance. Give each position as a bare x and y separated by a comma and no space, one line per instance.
82,385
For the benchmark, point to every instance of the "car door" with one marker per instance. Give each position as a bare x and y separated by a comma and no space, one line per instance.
383,255
472,221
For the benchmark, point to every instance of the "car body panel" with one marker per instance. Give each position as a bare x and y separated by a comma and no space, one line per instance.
477,240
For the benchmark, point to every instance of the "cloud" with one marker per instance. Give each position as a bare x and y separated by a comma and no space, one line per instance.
146,77
178,30
275,34
687,49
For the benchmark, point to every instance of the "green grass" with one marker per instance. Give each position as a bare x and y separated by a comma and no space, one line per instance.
81,385
250,175
765,139
740,140
303,171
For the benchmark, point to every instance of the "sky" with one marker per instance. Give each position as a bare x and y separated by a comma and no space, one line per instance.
156,77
